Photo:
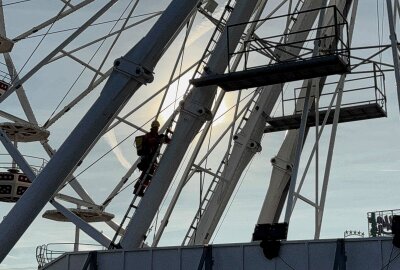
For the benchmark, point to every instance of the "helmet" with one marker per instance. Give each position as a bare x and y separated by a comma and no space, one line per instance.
155,124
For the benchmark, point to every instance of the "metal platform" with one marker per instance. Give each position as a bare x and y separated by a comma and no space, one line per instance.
276,73
347,114
88,215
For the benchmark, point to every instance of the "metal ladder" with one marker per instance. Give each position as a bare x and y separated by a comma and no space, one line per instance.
217,176
134,204
214,39
249,110
293,19
203,205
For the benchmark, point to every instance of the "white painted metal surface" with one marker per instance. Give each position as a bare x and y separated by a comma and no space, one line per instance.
195,113
196,110
361,254
245,146
130,73
395,47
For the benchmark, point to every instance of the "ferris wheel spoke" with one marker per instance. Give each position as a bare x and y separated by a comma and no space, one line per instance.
152,96
105,37
15,119
179,58
94,82
52,20
45,60
68,107
67,2
76,201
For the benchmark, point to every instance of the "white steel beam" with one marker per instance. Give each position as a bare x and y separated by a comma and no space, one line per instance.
302,129
395,52
76,201
273,202
67,2
14,75
115,227
299,147
189,170
319,208
131,124
14,118
329,158
188,174
107,54
76,59
71,179
6,44
19,159
315,149
248,140
131,71
20,91
81,224
196,110
94,85
397,8
152,97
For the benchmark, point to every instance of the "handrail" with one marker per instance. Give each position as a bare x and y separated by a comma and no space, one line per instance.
371,89
36,163
46,255
338,38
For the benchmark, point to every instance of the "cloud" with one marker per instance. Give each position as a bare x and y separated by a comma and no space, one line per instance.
204,27
111,139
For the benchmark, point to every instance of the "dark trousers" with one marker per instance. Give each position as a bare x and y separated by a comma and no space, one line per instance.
144,180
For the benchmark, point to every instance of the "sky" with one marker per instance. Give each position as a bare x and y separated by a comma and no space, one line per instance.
365,168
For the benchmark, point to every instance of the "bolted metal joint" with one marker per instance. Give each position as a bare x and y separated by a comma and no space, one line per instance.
282,164
133,70
6,44
254,146
198,111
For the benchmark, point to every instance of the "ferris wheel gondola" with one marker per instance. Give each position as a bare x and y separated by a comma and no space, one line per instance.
13,182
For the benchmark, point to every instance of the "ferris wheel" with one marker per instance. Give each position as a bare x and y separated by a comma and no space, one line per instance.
224,80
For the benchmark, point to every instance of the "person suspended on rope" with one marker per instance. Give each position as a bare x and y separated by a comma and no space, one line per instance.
148,147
